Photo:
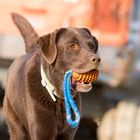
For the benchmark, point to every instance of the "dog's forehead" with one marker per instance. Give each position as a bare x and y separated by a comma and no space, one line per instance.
74,33
79,32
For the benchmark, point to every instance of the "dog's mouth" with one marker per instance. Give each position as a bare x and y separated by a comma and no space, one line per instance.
82,82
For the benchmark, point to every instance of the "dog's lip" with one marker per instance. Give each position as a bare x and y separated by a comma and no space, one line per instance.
80,86
83,70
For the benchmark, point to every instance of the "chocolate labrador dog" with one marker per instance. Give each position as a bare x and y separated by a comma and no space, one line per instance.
31,112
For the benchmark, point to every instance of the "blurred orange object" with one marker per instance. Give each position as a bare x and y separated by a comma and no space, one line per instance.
108,19
35,14
111,20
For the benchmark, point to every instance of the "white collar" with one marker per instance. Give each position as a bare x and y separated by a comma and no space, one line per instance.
47,84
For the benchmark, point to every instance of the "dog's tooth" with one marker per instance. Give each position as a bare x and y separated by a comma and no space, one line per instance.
82,82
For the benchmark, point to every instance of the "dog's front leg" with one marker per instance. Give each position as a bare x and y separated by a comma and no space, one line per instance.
67,135
42,135
16,128
43,132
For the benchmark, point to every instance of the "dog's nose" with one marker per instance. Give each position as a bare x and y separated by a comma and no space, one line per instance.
95,60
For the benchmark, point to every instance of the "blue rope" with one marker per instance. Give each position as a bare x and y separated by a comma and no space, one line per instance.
69,102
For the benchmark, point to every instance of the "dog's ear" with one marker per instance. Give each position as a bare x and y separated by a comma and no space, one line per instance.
48,45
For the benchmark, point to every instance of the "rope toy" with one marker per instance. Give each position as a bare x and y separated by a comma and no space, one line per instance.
86,77
69,102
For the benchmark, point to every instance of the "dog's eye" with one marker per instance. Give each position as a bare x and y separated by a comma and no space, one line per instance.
73,46
93,47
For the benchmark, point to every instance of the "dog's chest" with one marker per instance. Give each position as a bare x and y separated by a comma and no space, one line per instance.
62,123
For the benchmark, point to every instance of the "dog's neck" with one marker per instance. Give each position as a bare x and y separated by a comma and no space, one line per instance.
50,82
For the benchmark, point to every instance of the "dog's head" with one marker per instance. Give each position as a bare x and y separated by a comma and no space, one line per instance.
69,48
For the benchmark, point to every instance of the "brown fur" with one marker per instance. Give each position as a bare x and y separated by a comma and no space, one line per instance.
30,111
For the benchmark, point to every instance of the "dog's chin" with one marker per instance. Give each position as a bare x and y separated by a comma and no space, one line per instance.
81,87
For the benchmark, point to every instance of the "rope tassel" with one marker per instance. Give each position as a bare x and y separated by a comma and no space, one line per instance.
69,102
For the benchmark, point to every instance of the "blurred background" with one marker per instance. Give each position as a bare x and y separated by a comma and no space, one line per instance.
115,23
